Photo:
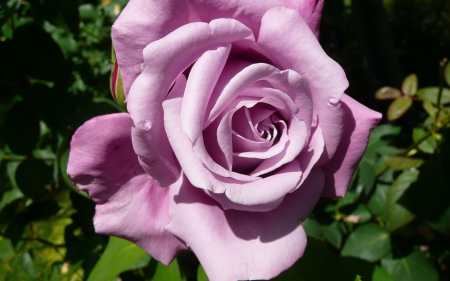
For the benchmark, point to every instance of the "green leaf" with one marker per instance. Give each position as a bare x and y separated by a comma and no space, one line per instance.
428,145
168,273
380,274
398,216
6,249
369,242
431,94
367,174
384,130
429,108
201,274
414,267
318,262
387,93
377,203
7,9
312,228
403,163
27,264
119,255
409,85
447,73
398,107
333,234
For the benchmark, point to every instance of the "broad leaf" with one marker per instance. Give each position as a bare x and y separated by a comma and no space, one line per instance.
119,255
168,273
428,145
201,274
377,203
415,267
369,242
403,163
431,94
387,93
398,216
398,107
409,85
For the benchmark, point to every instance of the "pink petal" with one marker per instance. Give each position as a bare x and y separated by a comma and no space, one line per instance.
299,50
237,245
256,195
202,80
165,59
310,10
102,162
340,169
143,21
297,134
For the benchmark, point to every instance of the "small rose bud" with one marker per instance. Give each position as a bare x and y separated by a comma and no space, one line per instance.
115,82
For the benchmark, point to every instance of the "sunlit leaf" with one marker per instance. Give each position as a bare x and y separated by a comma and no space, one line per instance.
168,273
429,108
201,274
403,163
409,85
431,94
119,255
398,216
387,93
415,267
398,107
369,242
6,249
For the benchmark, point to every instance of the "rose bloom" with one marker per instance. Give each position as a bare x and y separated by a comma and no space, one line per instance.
237,125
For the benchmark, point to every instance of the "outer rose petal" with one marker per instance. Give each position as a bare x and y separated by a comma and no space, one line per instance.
310,10
144,21
239,245
299,50
102,162
340,169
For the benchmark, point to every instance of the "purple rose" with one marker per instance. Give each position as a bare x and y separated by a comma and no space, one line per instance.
237,125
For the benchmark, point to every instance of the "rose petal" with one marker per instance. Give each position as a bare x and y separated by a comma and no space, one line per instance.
258,195
242,240
202,79
340,169
297,134
102,162
310,10
165,59
326,78
142,22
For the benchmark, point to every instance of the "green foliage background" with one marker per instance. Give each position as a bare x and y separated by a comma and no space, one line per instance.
393,224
